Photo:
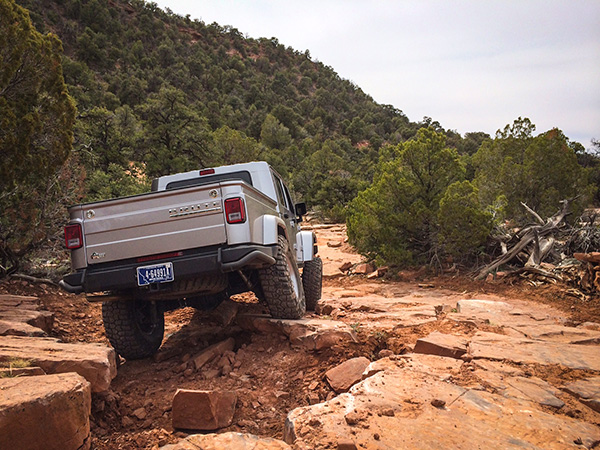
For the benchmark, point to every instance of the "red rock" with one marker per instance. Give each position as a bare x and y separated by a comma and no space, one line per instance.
592,257
312,334
346,266
212,352
346,444
441,345
21,372
587,390
229,441
527,351
363,269
334,244
203,410
341,378
97,363
49,412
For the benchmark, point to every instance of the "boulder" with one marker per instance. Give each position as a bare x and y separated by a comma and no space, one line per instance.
97,363
237,441
364,269
45,412
342,377
441,345
203,410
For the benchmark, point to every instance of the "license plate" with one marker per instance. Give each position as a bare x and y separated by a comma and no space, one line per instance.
157,273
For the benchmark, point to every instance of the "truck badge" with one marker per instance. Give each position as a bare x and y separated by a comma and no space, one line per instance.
97,255
213,193
90,214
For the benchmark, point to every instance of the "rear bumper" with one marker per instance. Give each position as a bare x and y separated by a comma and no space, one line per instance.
123,275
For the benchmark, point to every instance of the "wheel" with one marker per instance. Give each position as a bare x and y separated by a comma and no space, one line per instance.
135,328
312,281
282,286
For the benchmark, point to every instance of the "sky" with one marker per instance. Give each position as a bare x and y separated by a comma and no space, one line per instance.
472,65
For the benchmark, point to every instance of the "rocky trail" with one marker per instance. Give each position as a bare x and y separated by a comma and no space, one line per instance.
418,363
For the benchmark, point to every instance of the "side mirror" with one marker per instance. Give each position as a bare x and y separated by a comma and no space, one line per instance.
300,210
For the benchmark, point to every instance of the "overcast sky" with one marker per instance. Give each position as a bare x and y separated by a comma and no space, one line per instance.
472,65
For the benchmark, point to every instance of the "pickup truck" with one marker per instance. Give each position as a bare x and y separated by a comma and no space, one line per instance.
197,238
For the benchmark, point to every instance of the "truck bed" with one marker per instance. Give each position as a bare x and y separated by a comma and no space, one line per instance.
148,224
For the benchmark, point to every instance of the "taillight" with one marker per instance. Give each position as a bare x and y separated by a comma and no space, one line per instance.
234,210
207,172
73,236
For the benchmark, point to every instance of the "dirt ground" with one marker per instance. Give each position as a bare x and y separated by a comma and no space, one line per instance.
270,376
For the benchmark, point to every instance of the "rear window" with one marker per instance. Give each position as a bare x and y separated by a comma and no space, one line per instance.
208,179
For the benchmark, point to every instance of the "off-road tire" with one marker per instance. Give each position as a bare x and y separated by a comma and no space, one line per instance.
312,281
135,328
282,286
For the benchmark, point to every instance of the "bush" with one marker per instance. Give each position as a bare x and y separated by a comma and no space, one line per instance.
396,219
463,224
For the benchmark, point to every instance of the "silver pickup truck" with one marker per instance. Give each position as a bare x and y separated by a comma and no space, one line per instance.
196,239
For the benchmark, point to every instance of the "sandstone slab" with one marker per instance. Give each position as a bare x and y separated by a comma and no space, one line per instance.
395,409
22,316
587,390
95,362
558,333
49,412
312,334
441,344
533,389
17,328
213,351
342,377
237,441
203,410
9,301
479,306
521,350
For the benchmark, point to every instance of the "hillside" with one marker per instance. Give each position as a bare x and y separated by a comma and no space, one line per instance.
169,93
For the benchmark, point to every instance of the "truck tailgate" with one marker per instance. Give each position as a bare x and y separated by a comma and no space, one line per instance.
152,223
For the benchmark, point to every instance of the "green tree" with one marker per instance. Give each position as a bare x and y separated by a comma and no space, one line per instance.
274,134
36,123
540,171
396,219
36,111
231,147
175,135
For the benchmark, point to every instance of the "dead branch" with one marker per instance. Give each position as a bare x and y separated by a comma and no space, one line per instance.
526,237
31,279
533,213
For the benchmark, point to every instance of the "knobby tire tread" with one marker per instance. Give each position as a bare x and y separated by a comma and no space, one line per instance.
312,281
277,286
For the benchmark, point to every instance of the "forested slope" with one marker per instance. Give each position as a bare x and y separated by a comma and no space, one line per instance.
168,93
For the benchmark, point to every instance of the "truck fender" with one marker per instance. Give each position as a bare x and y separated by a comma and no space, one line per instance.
267,229
307,245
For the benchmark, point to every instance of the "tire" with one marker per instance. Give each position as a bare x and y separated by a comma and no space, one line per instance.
282,286
312,281
135,328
